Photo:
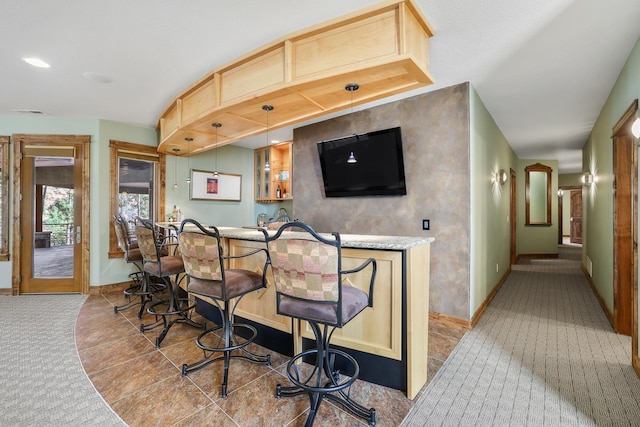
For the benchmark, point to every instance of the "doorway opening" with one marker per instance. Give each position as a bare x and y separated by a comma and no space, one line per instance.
51,214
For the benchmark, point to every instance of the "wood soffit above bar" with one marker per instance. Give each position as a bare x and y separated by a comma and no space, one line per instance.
383,48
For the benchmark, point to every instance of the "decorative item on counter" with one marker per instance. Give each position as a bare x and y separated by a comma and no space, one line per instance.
263,218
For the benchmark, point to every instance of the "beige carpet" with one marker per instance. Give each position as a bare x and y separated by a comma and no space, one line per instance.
42,382
543,354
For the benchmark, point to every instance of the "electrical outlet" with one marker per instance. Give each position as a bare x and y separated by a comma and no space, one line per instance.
425,224
496,268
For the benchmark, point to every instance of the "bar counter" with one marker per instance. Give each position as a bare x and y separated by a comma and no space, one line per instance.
389,340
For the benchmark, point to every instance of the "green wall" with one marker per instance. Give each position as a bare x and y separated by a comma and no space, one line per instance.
536,239
40,125
490,203
104,270
597,157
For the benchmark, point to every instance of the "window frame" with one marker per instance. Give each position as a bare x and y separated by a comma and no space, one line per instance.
139,152
4,197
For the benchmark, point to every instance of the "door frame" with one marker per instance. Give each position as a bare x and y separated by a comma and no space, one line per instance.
561,210
625,226
513,256
82,161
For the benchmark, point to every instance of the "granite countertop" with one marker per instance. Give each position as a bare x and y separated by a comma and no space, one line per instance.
361,241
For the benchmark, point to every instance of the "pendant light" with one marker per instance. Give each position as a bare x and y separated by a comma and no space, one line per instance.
188,159
267,108
215,169
175,169
352,87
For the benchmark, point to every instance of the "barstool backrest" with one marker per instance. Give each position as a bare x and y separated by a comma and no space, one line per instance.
306,269
201,253
147,243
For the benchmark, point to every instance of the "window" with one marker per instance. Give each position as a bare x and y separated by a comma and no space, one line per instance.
137,177
4,198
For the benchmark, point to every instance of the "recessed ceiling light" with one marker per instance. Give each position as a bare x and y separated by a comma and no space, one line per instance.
95,77
36,62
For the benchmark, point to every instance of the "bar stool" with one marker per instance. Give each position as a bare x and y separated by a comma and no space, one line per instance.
161,261
308,275
140,291
207,276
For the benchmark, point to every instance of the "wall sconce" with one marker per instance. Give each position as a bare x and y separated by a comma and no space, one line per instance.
501,177
587,179
635,128
560,192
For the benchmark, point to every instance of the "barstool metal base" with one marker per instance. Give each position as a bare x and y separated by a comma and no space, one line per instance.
139,293
331,385
231,343
175,307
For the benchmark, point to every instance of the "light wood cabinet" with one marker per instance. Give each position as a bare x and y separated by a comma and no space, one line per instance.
378,329
392,335
279,176
384,48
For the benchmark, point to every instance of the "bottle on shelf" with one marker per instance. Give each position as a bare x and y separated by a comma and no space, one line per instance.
278,192
175,213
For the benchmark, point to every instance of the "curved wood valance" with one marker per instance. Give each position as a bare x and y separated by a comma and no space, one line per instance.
383,48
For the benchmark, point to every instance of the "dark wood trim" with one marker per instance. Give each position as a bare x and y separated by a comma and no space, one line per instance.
82,144
537,256
449,321
603,305
537,167
513,214
625,233
480,311
140,152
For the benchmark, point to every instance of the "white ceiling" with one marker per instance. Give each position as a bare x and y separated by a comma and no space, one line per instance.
543,68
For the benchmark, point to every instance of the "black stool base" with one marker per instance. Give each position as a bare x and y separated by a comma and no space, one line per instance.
330,385
231,344
170,317
140,293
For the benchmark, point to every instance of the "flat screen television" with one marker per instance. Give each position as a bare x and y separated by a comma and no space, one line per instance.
378,169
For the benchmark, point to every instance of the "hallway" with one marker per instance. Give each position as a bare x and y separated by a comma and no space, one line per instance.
543,354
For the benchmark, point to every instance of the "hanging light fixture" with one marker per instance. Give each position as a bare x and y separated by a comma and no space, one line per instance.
188,159
175,169
352,87
215,169
267,108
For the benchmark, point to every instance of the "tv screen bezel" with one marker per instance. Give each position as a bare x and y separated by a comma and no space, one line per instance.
400,189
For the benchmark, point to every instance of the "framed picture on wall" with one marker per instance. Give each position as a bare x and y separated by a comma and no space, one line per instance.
205,186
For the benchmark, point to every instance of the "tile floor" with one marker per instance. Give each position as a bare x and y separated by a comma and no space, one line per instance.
144,386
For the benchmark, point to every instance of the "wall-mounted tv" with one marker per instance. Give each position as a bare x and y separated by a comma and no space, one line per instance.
378,169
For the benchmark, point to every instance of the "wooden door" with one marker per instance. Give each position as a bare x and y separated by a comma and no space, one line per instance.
513,255
575,212
625,180
53,254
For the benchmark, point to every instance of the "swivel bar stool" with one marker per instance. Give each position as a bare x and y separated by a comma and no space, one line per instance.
204,264
161,261
308,275
140,291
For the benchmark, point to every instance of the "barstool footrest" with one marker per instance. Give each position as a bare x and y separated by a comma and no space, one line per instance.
247,356
331,385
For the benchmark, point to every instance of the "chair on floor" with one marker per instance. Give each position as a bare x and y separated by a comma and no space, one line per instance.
162,262
141,291
308,275
207,276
